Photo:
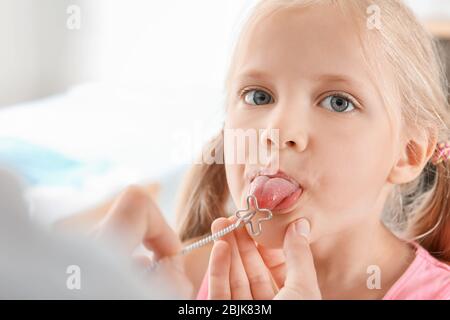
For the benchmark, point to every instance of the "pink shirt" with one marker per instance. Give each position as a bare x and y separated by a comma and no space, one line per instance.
425,279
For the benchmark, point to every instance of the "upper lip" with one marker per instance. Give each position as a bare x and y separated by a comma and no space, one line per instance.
278,174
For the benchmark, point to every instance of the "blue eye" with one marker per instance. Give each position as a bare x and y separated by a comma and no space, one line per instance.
257,97
338,103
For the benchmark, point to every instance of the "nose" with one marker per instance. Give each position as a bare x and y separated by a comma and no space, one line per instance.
292,130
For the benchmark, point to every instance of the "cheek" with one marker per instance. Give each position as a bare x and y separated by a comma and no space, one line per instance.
236,183
232,170
351,178
236,156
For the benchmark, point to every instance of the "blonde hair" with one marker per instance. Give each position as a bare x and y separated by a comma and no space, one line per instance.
420,209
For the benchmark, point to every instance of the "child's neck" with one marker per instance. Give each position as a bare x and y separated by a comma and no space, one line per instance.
342,263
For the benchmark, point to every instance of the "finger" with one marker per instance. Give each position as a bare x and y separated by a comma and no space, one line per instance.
159,236
258,274
301,279
133,219
219,272
239,285
275,261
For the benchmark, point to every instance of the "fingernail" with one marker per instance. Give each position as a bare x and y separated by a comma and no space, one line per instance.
303,228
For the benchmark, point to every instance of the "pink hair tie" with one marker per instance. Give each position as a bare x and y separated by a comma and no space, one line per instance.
442,153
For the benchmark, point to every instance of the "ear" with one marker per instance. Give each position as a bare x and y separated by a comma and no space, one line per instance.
413,157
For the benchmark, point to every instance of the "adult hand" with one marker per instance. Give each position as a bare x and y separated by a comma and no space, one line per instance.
135,219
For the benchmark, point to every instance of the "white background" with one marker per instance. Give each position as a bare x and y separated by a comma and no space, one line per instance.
140,84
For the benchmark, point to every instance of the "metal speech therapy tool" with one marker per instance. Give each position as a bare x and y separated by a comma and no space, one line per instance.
244,217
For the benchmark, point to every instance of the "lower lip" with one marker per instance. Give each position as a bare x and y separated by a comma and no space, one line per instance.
288,203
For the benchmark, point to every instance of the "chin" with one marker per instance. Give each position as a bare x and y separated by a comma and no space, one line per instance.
273,231
272,236
269,243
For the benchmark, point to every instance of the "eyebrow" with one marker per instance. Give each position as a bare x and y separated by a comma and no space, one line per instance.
261,75
338,78
254,74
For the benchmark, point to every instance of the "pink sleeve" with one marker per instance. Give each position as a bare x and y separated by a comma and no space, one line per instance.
203,291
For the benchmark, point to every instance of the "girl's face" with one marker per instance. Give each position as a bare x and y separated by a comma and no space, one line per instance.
302,71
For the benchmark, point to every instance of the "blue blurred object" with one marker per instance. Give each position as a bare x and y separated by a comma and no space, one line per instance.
40,165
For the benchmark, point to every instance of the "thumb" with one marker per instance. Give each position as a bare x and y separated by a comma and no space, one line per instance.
301,279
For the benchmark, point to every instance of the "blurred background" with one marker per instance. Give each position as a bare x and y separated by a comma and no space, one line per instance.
98,94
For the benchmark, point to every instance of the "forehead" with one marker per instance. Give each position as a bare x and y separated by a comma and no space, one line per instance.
311,42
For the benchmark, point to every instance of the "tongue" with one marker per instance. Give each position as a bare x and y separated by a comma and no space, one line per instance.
271,191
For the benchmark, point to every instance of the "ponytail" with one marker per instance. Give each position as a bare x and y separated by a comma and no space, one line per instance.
203,195
431,228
